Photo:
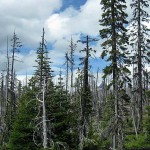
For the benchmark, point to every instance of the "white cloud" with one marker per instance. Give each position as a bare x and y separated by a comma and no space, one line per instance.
27,17
60,27
72,21
24,79
25,62
29,9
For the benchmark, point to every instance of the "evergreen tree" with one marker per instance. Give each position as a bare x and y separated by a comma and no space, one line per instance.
114,49
43,80
141,45
86,99
22,133
62,117
43,64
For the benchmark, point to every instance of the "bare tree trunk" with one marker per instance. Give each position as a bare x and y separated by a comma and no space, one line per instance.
67,70
7,75
44,119
13,106
41,99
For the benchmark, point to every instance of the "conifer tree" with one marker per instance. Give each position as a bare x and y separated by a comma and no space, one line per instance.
141,45
86,96
43,64
114,48
43,80
62,117
22,134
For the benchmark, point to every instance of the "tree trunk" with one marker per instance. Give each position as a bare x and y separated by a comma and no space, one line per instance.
140,93
44,119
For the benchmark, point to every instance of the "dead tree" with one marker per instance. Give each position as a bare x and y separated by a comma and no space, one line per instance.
16,45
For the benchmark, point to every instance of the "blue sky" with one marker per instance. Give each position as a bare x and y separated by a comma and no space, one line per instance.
61,20
75,3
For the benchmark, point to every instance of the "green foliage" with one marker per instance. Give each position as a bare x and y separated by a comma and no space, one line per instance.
61,119
105,144
136,143
43,68
148,94
143,140
109,109
116,40
22,133
90,144
3,147
86,100
147,124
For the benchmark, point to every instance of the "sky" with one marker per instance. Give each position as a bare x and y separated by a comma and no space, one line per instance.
61,20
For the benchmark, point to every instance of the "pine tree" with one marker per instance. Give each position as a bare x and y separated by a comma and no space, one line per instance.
42,80
86,99
141,45
62,117
114,49
43,64
22,133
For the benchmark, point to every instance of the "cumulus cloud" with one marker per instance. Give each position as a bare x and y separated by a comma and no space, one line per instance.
26,62
60,26
29,9
72,21
27,17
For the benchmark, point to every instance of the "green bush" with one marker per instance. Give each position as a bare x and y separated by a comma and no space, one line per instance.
136,143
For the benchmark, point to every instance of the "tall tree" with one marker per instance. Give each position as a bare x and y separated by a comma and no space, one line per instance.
43,68
43,82
11,99
114,48
141,45
16,45
86,102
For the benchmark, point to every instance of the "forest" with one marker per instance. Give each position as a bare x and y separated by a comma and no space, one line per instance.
78,113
